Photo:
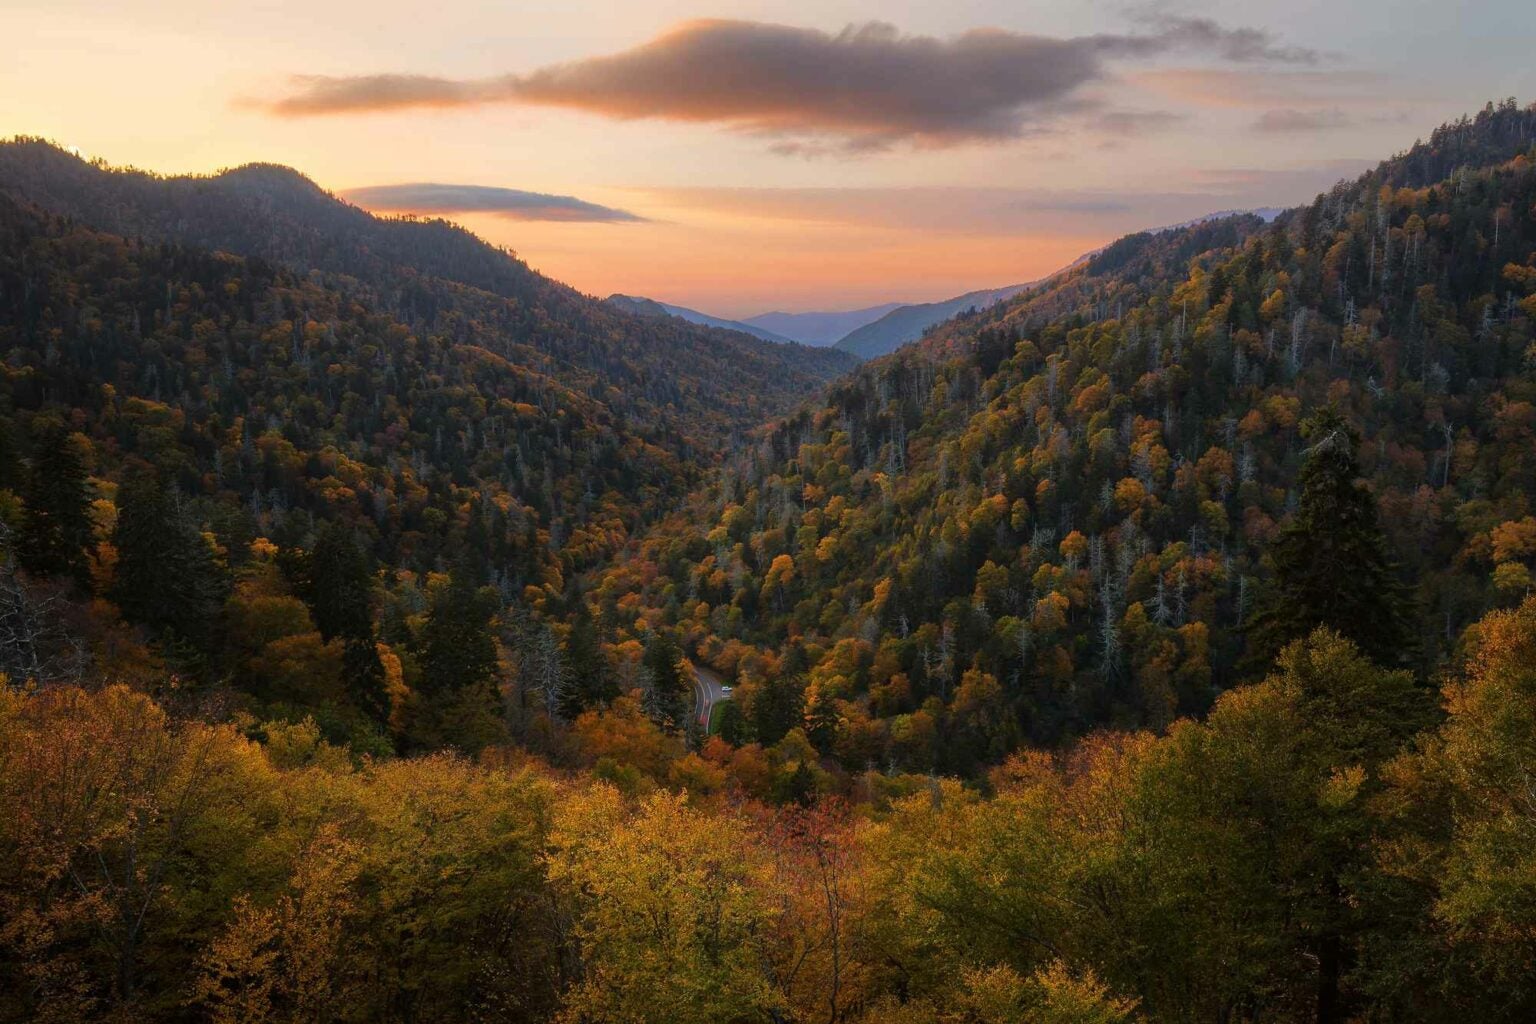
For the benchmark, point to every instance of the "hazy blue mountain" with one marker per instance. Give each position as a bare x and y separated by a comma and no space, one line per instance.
907,323
820,328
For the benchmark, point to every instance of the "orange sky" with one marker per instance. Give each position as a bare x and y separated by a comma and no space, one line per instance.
973,144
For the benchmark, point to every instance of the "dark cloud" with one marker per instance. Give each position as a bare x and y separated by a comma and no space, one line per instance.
1281,121
1239,45
863,88
425,197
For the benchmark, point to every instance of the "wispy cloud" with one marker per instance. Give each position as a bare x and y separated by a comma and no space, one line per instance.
1292,120
972,212
866,87
1269,87
428,197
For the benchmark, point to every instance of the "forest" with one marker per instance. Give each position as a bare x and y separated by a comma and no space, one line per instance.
353,578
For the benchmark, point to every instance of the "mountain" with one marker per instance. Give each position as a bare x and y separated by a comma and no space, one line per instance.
820,328
898,324
346,624
907,323
1057,512
286,359
650,307
691,382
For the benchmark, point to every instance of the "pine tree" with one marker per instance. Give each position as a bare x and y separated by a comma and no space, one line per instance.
363,673
457,648
57,528
338,585
167,576
777,707
591,683
1331,562
663,661
12,474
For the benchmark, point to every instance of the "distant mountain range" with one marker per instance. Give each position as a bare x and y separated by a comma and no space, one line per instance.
907,323
878,330
820,328
641,306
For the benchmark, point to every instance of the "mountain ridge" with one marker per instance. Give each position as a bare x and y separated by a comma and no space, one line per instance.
641,306
276,213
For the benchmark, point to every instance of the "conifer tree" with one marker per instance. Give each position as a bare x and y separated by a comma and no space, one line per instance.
12,474
591,682
1331,562
457,648
57,528
777,707
663,662
338,585
167,576
363,673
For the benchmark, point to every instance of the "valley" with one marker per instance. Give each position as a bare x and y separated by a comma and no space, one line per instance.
391,632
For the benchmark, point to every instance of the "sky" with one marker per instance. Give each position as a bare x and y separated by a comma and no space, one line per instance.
741,156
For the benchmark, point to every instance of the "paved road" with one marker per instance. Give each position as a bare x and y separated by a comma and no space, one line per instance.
708,690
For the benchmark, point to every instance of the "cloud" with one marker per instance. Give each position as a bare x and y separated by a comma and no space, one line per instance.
1265,87
426,197
1291,120
1121,123
866,87
895,214
1240,45
1287,184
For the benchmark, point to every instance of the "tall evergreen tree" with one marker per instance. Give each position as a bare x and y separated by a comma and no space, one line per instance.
363,674
1331,562
457,648
591,683
57,527
663,663
777,707
12,474
338,585
167,576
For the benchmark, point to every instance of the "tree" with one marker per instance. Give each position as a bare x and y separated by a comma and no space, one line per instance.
338,585
778,705
663,663
12,475
57,527
1465,815
458,649
543,670
362,673
167,576
666,912
591,681
1331,562
1266,806
35,645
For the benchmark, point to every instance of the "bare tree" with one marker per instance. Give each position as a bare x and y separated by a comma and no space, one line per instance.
35,644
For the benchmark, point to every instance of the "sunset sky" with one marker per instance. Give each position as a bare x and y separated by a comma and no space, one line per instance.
744,156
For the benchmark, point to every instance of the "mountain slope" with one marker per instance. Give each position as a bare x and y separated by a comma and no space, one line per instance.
691,382
1054,513
288,360
907,323
650,307
820,328
272,402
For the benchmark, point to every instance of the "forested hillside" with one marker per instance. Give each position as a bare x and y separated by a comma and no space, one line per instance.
1068,506
1158,645
691,386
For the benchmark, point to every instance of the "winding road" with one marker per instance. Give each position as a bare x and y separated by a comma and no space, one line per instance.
708,690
